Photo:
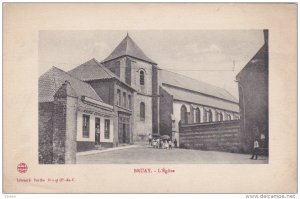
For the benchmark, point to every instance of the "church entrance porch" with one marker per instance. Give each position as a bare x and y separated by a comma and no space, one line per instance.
124,128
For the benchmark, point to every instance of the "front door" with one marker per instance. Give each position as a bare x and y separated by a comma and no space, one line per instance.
124,128
97,131
124,133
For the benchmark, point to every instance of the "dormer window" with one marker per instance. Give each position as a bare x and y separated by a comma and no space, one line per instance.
142,77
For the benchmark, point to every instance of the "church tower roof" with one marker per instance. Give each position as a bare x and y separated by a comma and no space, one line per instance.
130,48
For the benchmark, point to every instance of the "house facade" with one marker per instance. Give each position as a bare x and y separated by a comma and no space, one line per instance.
114,92
72,118
253,84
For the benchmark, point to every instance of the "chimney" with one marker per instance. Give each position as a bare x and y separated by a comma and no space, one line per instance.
266,36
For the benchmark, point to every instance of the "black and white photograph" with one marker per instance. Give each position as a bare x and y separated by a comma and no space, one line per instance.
151,97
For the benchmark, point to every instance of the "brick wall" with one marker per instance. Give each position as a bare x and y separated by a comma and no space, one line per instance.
217,136
45,132
253,95
85,146
59,133
64,125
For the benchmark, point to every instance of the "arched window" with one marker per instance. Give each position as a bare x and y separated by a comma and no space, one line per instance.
198,115
221,117
194,115
183,115
229,117
142,77
209,116
142,111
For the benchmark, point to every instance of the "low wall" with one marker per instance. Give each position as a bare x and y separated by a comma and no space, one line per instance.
217,136
85,146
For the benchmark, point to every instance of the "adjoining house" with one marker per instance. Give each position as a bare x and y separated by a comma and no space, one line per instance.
114,92
253,93
72,118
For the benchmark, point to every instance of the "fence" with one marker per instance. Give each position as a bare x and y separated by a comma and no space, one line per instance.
218,136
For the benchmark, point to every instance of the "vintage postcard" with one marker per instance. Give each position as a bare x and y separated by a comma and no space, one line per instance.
122,98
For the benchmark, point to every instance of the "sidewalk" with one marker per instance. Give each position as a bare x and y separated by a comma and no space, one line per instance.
104,150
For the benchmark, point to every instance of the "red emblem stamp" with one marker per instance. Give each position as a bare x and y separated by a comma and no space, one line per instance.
22,167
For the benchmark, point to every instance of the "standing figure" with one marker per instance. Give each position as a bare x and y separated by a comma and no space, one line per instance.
175,143
161,142
170,144
150,138
255,149
97,135
154,143
166,144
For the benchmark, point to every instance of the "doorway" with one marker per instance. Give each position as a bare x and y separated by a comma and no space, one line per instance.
97,131
124,128
124,133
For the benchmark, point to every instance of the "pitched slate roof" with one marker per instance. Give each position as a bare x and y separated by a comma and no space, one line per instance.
52,80
187,96
92,70
130,48
170,78
261,56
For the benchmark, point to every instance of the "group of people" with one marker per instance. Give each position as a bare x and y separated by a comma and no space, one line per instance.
159,143
162,144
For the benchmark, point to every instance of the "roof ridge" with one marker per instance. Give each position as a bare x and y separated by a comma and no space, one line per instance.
110,73
69,75
126,48
78,80
104,68
265,45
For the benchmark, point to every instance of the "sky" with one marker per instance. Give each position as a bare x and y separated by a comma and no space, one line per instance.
211,56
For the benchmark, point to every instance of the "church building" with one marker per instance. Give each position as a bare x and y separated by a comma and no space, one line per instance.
188,101
162,98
